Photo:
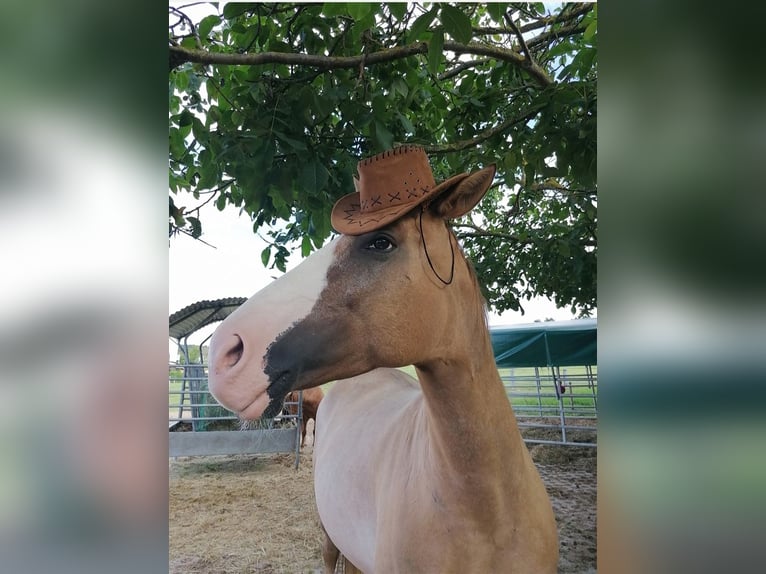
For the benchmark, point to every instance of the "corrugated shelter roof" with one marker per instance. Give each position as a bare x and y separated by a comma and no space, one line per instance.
197,315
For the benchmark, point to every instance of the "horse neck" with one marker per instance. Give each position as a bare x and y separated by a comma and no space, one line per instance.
471,423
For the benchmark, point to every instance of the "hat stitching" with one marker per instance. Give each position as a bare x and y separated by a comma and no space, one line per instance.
388,153
370,211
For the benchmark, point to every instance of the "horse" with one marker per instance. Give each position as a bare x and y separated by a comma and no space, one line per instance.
311,399
426,474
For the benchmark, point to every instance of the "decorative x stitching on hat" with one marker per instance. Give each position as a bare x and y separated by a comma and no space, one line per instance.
389,186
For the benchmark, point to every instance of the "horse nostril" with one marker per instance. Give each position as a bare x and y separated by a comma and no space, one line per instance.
232,356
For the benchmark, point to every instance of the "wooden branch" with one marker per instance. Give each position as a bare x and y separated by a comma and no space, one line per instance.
461,67
483,136
490,31
520,36
503,54
179,55
553,185
189,21
477,232
564,16
564,32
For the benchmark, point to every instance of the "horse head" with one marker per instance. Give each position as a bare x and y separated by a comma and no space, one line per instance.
386,293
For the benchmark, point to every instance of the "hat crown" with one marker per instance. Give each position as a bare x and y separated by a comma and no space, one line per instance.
390,185
395,177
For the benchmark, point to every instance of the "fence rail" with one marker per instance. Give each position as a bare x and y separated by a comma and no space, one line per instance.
552,405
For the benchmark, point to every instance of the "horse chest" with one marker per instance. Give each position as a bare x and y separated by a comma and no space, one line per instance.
388,503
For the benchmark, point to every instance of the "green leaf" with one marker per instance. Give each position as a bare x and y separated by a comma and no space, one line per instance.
435,47
358,10
398,9
421,24
383,137
265,256
196,226
208,177
234,9
206,25
292,142
178,217
496,10
561,48
198,130
590,31
456,23
334,9
406,123
185,119
177,144
400,86
181,79
305,246
314,177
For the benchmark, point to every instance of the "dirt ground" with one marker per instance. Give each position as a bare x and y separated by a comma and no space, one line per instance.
256,514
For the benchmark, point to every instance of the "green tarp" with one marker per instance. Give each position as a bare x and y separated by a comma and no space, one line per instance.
553,343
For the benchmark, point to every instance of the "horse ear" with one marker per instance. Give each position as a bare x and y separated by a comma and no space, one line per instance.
463,196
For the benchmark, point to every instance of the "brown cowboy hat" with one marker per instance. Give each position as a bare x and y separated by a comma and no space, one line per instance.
390,185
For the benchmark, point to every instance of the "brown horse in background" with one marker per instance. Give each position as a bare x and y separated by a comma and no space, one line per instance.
311,400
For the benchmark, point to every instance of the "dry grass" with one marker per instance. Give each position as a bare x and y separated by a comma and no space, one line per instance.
243,514
256,514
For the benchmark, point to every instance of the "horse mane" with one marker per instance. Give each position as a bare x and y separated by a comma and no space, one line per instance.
478,297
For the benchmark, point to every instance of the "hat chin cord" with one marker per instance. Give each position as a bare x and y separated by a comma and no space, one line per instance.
452,251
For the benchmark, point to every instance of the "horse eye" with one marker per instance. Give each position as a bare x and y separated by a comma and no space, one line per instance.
381,243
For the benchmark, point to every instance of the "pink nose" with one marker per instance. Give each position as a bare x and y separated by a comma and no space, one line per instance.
225,353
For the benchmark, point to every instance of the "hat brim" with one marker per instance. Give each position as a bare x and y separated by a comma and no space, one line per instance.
348,219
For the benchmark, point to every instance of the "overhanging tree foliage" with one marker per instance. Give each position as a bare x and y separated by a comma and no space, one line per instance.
273,105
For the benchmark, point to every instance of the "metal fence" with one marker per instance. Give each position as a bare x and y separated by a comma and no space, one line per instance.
554,405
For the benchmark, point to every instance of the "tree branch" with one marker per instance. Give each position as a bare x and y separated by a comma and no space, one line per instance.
559,34
553,185
564,16
189,21
520,36
461,68
501,54
179,54
479,232
483,136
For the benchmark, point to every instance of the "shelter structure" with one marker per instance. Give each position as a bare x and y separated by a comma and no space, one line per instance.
549,371
191,402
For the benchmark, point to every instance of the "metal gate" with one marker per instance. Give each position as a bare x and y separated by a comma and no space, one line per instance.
554,405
